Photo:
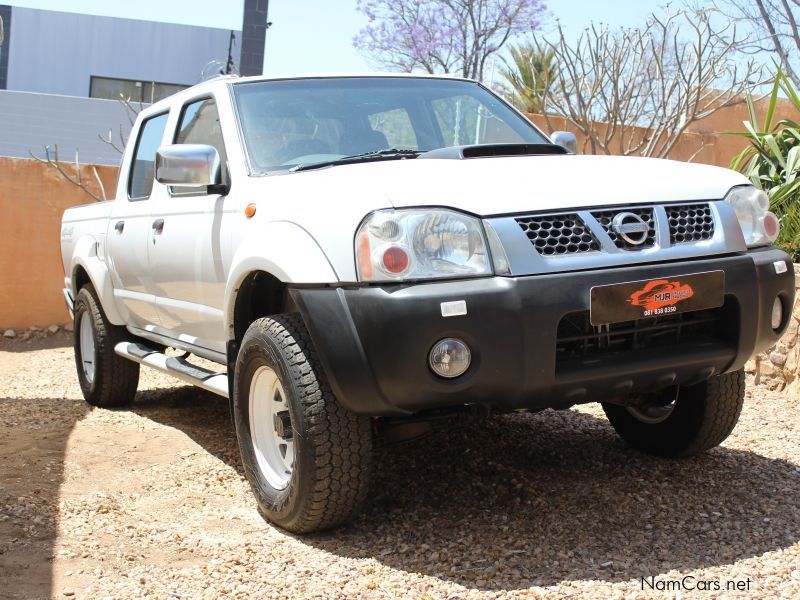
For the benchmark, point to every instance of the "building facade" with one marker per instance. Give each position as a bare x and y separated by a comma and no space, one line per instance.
100,57
61,73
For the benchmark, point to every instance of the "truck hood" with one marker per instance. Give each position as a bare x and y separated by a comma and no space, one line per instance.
506,185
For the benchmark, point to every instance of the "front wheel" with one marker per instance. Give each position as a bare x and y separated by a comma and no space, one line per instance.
694,419
306,456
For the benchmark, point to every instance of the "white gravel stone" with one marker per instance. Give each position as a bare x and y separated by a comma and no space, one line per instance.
150,501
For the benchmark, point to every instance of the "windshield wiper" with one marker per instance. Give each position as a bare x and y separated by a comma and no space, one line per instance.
387,154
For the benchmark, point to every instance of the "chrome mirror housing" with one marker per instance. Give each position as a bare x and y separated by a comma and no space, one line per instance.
566,140
194,165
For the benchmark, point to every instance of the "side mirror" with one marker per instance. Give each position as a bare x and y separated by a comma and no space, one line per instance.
566,140
192,165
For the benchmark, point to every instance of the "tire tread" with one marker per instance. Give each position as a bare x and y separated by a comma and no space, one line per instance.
341,440
116,378
704,416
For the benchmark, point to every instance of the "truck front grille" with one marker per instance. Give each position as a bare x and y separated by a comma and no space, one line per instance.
554,235
690,223
578,340
605,218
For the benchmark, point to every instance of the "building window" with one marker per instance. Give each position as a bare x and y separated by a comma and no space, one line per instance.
148,92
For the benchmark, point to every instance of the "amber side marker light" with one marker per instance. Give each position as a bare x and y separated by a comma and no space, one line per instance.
363,249
250,210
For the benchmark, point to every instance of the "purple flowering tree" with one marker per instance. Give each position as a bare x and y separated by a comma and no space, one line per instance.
442,36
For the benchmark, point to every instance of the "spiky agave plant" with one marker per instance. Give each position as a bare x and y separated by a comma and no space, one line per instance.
772,161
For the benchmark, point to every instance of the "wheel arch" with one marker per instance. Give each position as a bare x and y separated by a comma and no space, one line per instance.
87,267
259,294
266,263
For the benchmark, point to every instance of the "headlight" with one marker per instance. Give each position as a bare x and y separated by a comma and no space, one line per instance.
751,205
420,244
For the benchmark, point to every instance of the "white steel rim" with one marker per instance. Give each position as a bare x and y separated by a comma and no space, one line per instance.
268,404
652,415
86,333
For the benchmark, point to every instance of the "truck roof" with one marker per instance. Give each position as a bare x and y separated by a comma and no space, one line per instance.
226,80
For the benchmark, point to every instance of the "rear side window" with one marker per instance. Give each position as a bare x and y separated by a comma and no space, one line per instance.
143,167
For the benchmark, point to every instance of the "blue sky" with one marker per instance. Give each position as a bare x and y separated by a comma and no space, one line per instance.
315,35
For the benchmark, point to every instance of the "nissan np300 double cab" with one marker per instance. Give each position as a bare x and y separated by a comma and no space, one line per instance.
360,252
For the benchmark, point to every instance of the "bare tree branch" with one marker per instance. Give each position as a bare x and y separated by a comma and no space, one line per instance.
774,23
637,90
74,178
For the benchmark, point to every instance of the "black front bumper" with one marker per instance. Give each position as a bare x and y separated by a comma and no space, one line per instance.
374,341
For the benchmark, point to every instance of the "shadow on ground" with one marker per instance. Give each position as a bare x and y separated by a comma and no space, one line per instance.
33,441
527,500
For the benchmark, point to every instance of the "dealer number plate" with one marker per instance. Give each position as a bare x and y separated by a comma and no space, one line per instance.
656,297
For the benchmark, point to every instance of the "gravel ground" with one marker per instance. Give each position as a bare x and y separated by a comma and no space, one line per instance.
151,501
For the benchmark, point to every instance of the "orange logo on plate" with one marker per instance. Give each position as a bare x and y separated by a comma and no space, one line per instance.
660,293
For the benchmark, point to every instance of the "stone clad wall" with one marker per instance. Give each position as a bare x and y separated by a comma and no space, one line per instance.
779,367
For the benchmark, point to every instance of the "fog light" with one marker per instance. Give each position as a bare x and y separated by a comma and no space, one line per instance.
777,313
450,358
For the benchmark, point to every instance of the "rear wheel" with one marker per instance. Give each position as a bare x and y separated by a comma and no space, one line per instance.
107,380
306,457
691,420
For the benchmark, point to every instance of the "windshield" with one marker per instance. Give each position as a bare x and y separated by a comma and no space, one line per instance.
304,121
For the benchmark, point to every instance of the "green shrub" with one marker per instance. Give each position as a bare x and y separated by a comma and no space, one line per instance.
772,161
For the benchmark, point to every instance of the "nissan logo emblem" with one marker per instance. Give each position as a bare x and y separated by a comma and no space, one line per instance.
630,227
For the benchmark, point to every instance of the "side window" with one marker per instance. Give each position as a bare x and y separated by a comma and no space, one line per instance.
396,126
199,124
143,167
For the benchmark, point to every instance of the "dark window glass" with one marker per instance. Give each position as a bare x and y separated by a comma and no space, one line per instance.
148,92
153,92
199,124
302,121
143,167
396,126
114,89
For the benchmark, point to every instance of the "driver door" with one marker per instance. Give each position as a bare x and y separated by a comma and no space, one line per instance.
190,251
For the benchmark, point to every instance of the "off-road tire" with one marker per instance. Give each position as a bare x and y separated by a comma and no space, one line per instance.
115,378
703,416
332,446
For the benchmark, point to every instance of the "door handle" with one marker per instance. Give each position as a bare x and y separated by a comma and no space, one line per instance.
119,226
158,226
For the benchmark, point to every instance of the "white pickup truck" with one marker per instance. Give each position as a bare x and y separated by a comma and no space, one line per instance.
365,255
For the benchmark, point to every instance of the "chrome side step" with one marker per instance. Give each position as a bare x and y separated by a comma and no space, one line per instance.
176,367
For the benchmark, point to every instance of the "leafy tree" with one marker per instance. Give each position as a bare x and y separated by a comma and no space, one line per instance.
772,161
442,36
529,74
